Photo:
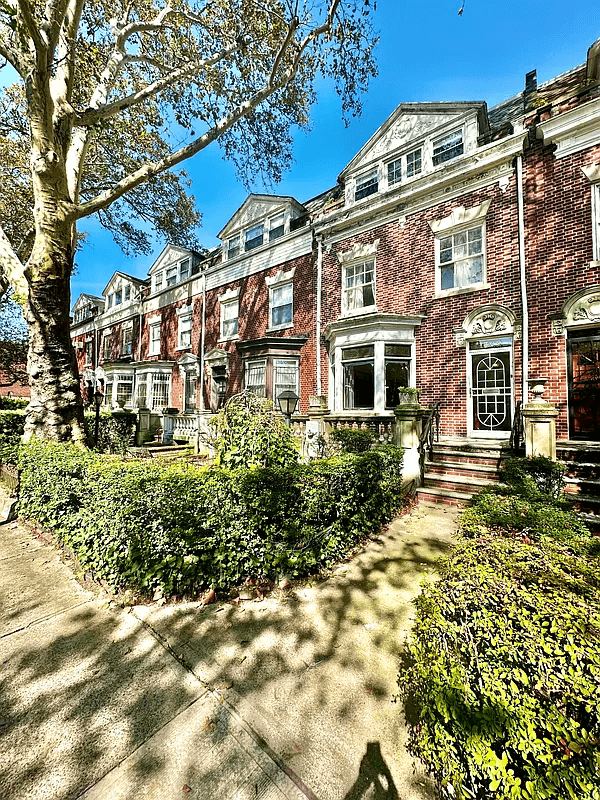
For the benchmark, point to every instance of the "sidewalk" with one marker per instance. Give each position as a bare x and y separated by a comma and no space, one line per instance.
285,697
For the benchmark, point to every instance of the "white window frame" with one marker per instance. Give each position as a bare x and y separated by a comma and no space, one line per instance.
233,246
184,276
414,174
260,226
596,223
171,275
367,179
106,345
276,283
282,363
123,379
165,380
461,220
153,340
229,312
278,228
127,329
184,327
158,281
256,363
388,165
349,307
440,139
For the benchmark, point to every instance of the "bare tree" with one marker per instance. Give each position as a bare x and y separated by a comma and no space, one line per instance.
112,96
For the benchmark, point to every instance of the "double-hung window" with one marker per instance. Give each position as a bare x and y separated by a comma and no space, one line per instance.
285,376
141,391
448,147
124,389
158,281
184,269
281,305
254,237
276,227
127,340
229,319
171,276
359,285
461,259
106,347
255,378
358,364
184,338
366,185
160,390
154,348
394,172
233,246
127,293
413,163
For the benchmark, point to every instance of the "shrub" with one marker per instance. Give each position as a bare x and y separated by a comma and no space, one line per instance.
13,403
503,673
248,433
116,431
12,424
353,441
182,528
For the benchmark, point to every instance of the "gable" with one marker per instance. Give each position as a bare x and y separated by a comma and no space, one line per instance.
256,208
171,254
410,124
87,300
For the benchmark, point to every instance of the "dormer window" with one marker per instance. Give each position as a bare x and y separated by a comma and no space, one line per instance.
394,172
158,279
171,276
276,227
448,147
127,293
413,163
118,297
233,247
366,185
254,237
184,269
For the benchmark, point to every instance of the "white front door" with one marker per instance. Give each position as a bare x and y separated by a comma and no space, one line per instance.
490,385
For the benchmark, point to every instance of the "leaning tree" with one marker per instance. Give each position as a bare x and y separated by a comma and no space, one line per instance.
110,97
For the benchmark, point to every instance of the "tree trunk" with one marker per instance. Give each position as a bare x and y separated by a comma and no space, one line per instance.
56,409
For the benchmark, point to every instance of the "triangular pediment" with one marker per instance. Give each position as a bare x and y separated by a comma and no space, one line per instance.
171,254
118,279
412,123
86,300
256,208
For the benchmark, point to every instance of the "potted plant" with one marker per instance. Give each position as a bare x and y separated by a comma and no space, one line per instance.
407,396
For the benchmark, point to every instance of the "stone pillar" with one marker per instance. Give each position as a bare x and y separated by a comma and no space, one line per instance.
315,425
539,422
409,422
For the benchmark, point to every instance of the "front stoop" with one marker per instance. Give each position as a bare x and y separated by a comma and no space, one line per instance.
583,478
460,468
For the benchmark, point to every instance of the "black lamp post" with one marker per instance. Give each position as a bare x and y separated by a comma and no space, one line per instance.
98,397
288,402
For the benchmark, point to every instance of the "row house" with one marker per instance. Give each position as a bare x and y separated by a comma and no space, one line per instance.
459,254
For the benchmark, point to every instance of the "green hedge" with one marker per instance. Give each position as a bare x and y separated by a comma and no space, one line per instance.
12,424
13,403
116,431
502,679
182,528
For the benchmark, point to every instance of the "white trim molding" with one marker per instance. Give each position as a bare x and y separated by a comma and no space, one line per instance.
358,252
460,216
280,277
573,130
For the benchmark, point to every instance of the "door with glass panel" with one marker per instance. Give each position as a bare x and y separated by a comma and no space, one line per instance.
583,349
491,387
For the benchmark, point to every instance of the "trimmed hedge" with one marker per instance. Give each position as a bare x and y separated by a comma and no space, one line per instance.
116,431
182,528
503,674
12,425
13,403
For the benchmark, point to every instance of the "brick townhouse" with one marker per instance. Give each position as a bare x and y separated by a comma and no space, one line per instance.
458,254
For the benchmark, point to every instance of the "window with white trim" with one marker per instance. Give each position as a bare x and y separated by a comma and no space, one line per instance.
158,281
171,276
89,351
596,220
124,389
448,147
366,185
184,269
413,163
127,340
276,226
394,172
229,318
461,259
286,375
154,346
255,377
233,246
358,364
358,285
254,237
281,305
141,391
160,384
106,346
184,336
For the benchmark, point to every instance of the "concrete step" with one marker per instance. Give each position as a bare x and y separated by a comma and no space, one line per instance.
589,487
582,469
483,457
462,468
457,483
431,494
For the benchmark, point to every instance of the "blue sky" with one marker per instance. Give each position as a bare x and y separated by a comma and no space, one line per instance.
427,52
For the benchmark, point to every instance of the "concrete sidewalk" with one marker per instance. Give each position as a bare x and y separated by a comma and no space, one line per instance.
289,696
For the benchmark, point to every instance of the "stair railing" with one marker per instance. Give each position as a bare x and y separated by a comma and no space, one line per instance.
517,441
427,436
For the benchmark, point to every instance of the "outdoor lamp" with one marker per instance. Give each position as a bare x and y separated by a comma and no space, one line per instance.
288,402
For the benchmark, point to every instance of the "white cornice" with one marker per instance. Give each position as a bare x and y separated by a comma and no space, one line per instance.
490,164
592,172
573,130
460,216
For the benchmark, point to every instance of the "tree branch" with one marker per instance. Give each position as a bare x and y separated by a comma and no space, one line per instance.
33,30
11,268
93,115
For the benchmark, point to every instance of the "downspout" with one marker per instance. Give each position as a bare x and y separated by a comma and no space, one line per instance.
523,277
318,312
202,342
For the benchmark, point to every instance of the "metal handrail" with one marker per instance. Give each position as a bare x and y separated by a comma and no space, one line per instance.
517,441
426,437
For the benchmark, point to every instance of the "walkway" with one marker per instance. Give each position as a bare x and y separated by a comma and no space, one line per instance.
289,696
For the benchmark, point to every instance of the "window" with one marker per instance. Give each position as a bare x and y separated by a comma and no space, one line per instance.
596,220
447,147
366,185
185,328
89,351
358,364
110,300
359,286
160,390
276,227
118,297
127,293
154,338
108,393
461,259
394,172
281,305
127,341
256,377
158,281
191,383
229,319
233,246
124,389
106,347
184,269
171,276
413,163
254,237
397,372
285,376
141,391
